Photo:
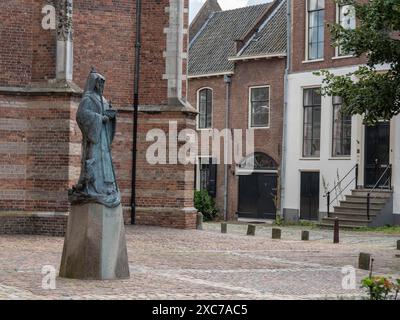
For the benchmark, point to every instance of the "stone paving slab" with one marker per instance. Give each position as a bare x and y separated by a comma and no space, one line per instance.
173,264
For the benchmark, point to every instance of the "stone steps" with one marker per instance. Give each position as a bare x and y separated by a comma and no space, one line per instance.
359,209
385,194
352,212
362,199
347,222
352,216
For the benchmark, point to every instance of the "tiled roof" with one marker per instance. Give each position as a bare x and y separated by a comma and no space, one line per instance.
272,36
210,49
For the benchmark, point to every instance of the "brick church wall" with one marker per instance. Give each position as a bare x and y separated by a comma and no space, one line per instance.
39,139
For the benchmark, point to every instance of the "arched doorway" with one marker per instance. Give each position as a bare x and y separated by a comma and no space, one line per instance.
258,186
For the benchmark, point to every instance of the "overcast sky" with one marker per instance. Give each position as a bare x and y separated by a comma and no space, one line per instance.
195,5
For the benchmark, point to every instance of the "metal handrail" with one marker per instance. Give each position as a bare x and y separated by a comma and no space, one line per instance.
345,188
340,182
328,194
389,168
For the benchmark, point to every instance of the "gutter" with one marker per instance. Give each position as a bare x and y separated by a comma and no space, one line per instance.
228,82
209,75
136,108
262,56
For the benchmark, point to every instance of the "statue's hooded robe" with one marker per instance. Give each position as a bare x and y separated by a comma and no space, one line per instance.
97,182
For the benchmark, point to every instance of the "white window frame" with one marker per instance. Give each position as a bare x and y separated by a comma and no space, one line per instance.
250,109
332,156
198,109
302,156
337,56
306,59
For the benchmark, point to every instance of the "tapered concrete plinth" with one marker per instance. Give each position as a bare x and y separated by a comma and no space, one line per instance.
95,245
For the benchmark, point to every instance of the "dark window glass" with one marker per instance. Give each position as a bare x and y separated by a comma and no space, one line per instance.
312,123
259,107
316,14
208,176
341,136
205,109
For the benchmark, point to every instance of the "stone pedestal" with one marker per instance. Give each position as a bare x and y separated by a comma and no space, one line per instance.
95,245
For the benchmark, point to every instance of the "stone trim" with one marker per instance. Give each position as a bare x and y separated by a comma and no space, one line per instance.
48,89
184,108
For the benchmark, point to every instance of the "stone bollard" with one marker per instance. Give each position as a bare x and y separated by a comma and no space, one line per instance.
305,235
364,261
336,232
224,227
398,245
251,230
200,219
276,233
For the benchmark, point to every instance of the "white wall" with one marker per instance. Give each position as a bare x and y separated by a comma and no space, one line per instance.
395,142
325,164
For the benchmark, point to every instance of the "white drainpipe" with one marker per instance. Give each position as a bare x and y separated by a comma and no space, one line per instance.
284,138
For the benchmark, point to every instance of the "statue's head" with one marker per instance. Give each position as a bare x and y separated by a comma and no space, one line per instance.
95,82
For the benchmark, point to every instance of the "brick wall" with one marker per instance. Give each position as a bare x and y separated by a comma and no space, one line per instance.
39,152
104,36
39,139
16,47
33,223
247,74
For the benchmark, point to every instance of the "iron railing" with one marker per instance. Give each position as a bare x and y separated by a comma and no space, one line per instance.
388,182
328,194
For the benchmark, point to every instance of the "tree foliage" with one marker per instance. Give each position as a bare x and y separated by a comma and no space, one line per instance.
369,90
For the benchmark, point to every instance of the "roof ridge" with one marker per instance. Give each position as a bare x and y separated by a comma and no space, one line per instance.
242,8
265,19
201,29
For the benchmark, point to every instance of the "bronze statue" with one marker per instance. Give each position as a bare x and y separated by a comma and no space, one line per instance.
97,120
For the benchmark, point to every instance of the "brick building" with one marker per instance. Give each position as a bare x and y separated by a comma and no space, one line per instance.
42,72
236,79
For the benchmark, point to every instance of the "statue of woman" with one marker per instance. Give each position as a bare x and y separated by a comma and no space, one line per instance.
97,121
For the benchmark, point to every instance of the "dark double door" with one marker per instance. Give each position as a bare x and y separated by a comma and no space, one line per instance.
377,153
257,196
309,196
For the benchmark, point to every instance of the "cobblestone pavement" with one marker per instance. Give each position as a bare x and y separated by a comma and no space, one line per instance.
175,264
